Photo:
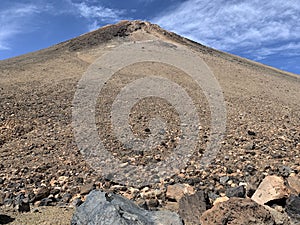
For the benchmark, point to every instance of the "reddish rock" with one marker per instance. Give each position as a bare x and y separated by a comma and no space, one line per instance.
237,211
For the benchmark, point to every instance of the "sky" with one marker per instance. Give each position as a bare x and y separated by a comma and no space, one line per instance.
260,30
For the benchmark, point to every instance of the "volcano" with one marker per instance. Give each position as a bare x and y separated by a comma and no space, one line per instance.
259,134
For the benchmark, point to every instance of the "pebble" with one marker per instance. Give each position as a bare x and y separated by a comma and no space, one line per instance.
85,189
177,191
221,199
224,179
239,192
152,203
41,193
77,202
45,202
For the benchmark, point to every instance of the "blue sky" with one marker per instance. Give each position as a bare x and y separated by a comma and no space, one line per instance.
261,30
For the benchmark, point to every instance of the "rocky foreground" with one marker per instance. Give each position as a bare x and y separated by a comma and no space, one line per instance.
272,203
276,201
254,177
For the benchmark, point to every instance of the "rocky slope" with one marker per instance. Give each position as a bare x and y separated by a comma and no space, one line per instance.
41,163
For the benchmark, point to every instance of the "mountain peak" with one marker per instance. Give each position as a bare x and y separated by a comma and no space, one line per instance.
120,30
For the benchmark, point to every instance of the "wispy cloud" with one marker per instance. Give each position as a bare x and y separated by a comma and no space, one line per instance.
239,25
96,13
12,22
290,49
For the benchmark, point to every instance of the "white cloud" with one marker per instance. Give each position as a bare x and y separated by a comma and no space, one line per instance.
290,49
96,14
12,22
237,25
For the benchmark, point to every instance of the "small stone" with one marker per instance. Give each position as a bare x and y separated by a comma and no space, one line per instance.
2,197
224,179
35,210
230,182
239,192
36,204
79,180
133,191
87,188
142,204
54,191
24,207
250,146
212,197
21,203
1,180
181,175
53,182
250,169
152,203
118,188
41,193
77,202
45,202
221,199
285,171
62,179
279,208
66,198
294,184
251,133
271,188
177,191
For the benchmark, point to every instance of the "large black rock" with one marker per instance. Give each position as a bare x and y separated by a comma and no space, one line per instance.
101,208
293,207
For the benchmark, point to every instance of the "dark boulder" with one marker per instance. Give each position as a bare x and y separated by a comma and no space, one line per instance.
101,208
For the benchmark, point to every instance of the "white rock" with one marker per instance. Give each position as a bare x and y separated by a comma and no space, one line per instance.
271,188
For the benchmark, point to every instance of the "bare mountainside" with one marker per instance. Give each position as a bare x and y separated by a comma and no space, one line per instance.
39,155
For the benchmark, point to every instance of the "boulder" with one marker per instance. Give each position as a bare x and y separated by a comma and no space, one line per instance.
102,208
271,188
237,211
191,207
293,207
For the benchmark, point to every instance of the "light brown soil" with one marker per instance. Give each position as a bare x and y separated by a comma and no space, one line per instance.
45,215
